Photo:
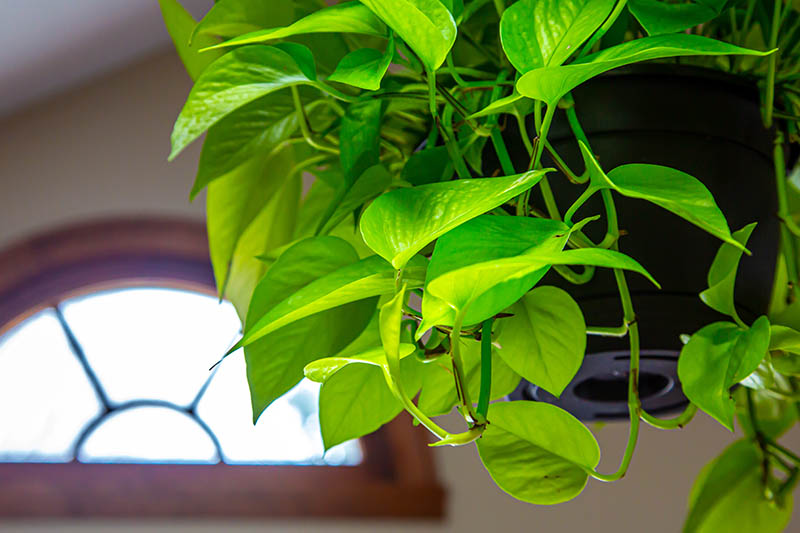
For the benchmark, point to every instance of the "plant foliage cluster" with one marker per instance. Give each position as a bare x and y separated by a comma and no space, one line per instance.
406,278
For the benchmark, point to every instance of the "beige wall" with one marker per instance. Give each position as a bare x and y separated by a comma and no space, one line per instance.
102,150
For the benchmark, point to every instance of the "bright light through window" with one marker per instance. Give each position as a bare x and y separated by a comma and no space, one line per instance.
122,376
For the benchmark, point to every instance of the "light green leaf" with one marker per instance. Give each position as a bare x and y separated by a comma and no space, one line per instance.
729,496
322,369
346,17
715,359
252,130
540,33
550,84
784,346
366,278
179,25
537,452
276,361
391,316
460,288
486,239
229,18
722,274
426,26
402,222
364,68
666,187
503,105
233,203
774,416
235,80
658,17
545,339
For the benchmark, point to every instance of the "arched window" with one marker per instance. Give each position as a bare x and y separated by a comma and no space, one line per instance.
107,407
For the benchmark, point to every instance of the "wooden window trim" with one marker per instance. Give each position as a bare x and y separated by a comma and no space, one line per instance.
396,480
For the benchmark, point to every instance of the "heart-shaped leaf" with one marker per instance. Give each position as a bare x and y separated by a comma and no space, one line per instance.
537,452
728,495
364,68
275,362
485,239
346,17
545,340
550,84
180,24
539,33
722,274
671,189
235,80
426,26
402,222
715,359
366,278
660,17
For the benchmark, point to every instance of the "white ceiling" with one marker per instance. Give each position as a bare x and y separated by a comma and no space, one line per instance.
47,46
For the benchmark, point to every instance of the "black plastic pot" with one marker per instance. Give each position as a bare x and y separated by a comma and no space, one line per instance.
706,124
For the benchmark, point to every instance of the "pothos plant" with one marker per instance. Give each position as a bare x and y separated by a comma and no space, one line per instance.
406,277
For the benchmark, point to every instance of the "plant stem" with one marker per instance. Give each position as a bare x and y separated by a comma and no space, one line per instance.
486,368
304,128
787,227
458,373
773,63
616,331
673,423
789,454
604,28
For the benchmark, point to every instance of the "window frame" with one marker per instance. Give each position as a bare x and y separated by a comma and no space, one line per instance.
397,478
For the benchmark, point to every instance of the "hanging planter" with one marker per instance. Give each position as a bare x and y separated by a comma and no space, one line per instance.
488,262
707,124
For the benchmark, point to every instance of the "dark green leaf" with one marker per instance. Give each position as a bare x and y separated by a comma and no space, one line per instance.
431,165
658,17
374,181
361,126
545,339
537,452
722,274
179,25
715,359
549,84
275,362
540,33
402,222
235,80
426,26
729,496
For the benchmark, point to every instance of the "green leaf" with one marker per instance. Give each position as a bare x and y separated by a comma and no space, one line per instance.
179,25
321,370
549,84
774,416
658,17
486,239
234,202
503,105
372,183
364,68
431,165
722,274
252,130
784,346
426,26
545,340
346,17
510,276
366,278
276,361
235,80
402,222
716,358
229,18
361,126
729,496
269,230
537,452
666,187
390,319
540,33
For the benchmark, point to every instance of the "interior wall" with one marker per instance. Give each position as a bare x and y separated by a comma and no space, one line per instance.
101,151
